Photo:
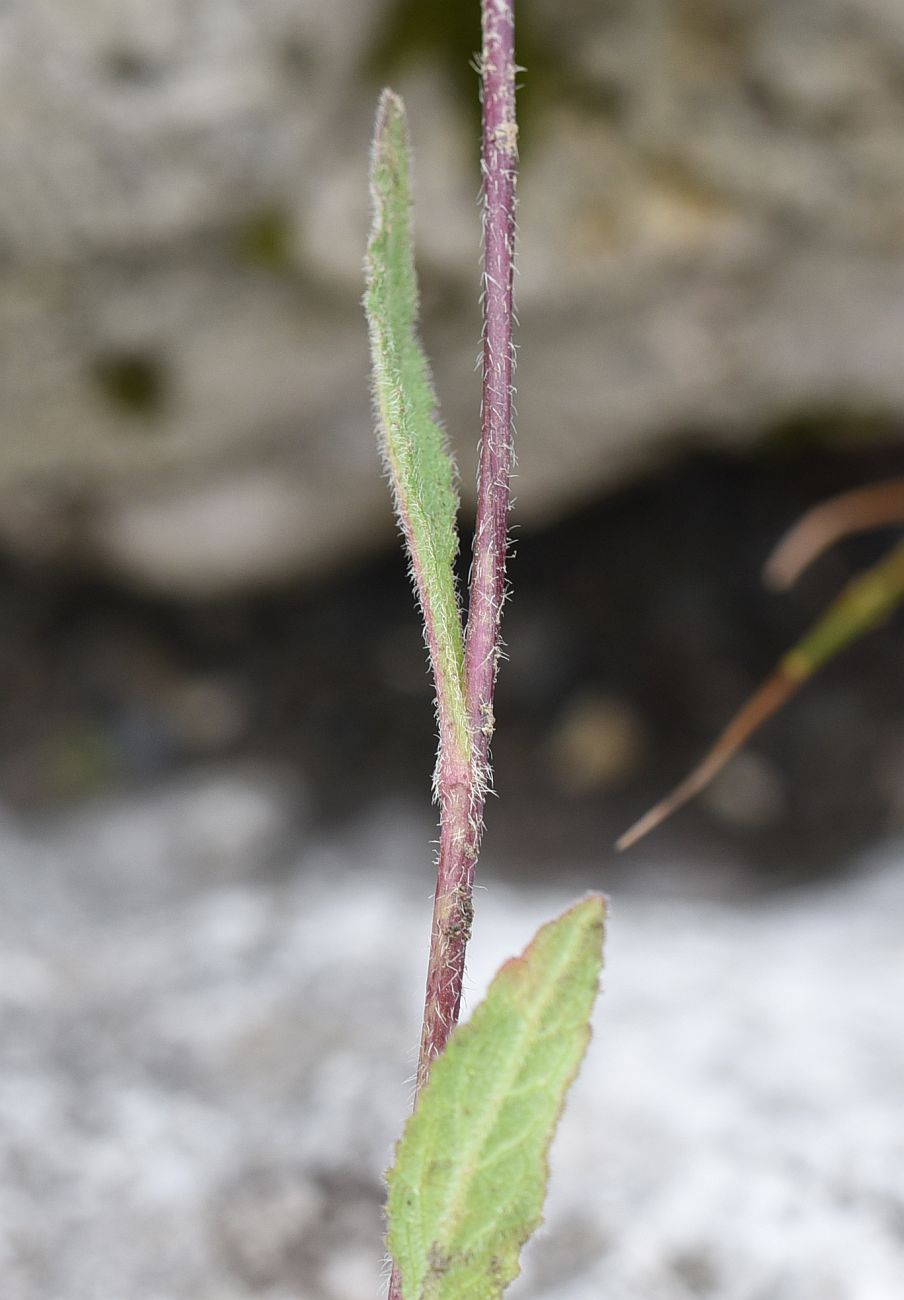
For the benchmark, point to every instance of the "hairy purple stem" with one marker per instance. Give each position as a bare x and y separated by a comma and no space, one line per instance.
499,166
463,787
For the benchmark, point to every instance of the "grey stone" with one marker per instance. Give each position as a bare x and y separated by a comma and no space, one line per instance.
710,240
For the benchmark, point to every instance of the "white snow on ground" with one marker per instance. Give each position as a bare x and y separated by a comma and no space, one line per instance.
206,1043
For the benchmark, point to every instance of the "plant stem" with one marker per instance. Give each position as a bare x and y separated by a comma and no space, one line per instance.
463,784
499,169
462,787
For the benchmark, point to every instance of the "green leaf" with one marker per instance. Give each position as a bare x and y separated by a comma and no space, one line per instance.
420,467
469,1180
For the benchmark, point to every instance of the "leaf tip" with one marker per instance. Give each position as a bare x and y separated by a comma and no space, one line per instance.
391,119
592,911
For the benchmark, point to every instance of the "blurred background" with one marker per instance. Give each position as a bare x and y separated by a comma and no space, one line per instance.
217,730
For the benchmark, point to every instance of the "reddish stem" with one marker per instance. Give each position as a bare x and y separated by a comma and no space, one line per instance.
463,786
463,792
451,927
499,167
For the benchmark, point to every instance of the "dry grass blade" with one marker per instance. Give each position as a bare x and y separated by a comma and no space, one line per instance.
767,700
865,603
851,512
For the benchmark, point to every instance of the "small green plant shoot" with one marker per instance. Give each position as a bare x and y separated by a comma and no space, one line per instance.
469,1179
470,1175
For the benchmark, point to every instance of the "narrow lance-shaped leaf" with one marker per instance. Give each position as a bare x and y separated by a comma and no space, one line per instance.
470,1176
414,447
866,602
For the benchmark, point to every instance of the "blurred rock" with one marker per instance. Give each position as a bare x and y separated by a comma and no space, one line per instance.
205,1057
226,823
711,240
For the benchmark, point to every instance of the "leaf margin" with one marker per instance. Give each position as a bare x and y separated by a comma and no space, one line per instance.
432,1263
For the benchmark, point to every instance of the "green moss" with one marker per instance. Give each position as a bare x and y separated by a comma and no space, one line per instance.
819,427
265,239
448,36
77,763
133,382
